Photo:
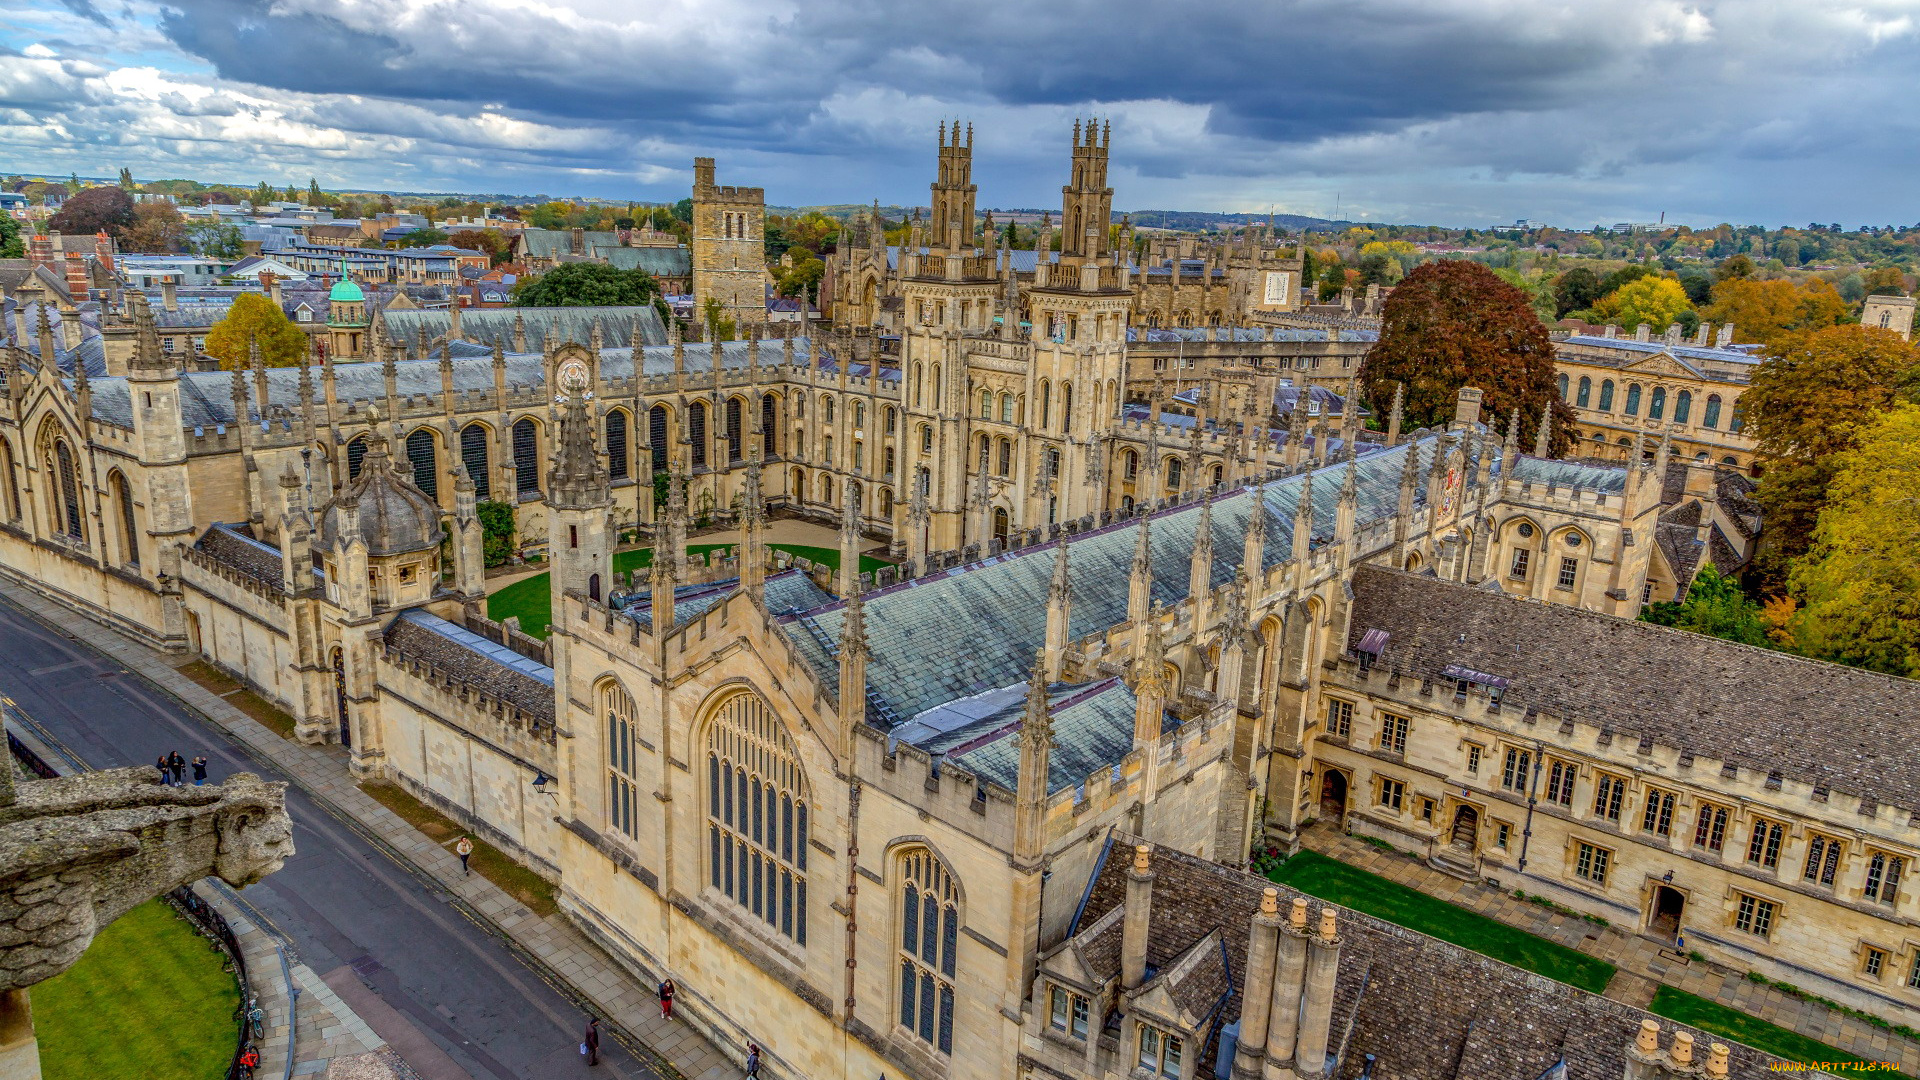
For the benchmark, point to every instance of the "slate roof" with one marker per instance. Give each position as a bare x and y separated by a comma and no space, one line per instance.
1611,479
206,397
788,590
1731,354
674,262
574,324
473,659
20,325
1410,1000
551,243
925,636
234,547
1092,730
1850,730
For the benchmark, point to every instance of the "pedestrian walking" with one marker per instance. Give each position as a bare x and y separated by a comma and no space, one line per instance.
590,1042
166,769
179,766
464,849
200,770
666,999
753,1059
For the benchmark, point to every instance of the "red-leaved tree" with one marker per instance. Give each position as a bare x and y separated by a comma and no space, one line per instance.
1451,324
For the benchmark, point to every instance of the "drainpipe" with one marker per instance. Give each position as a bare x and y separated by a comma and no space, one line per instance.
1533,785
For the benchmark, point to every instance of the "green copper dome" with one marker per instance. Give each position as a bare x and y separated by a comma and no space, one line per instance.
344,290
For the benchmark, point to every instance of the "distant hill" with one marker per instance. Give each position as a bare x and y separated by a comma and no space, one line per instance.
1198,220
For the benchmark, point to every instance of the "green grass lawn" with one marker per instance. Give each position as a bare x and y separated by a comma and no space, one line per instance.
149,1000
1734,1024
531,598
1352,887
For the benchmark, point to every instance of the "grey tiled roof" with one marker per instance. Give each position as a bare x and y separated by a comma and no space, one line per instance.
925,634
235,549
573,324
786,591
206,397
488,665
549,243
1244,333
1566,474
1733,354
1422,1008
1849,730
676,262
1092,730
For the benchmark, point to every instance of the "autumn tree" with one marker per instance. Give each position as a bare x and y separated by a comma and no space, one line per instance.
419,238
1859,585
157,229
1801,410
1451,324
256,317
1884,281
92,210
805,273
1768,312
1739,266
1655,301
491,241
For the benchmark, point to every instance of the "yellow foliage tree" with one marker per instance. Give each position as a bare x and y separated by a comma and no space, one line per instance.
255,316
1656,301
1860,584
1768,312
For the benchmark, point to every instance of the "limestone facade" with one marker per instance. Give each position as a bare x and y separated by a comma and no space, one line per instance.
729,252
1636,391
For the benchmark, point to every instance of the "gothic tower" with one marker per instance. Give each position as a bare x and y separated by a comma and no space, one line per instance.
729,253
1087,200
953,192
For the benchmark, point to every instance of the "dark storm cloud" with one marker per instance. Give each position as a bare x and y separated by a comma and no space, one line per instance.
1439,108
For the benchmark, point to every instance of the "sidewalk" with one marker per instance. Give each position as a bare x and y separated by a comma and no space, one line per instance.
1639,959
568,956
327,1032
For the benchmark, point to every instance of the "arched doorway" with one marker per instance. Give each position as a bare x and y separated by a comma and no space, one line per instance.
1663,918
1466,827
340,698
593,587
1333,796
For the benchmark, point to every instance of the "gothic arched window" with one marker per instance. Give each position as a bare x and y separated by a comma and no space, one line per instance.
1633,399
1712,417
928,903
1130,465
526,457
1658,408
758,816
617,444
1006,408
1046,402
1606,395
12,506
1682,406
1563,386
69,492
420,455
769,425
130,534
623,790
1066,404
697,434
1586,391
473,454
1173,474
657,436
356,450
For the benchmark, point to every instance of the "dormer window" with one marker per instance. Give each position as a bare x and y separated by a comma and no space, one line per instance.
1161,1054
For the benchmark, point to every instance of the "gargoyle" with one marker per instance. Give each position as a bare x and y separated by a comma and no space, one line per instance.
78,852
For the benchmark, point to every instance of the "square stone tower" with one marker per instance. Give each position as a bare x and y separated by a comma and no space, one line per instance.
729,252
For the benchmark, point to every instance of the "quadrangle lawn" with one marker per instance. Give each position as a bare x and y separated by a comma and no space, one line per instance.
531,600
1350,886
149,1000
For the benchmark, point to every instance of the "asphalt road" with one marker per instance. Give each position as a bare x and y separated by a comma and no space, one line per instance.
342,899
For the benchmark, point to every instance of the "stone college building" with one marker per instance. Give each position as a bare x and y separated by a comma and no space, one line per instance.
982,815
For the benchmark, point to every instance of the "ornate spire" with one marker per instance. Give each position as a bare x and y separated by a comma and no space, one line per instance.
1253,549
1303,518
850,542
1140,580
578,481
1398,415
1543,440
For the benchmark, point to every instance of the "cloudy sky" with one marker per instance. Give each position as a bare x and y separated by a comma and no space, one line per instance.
1462,112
